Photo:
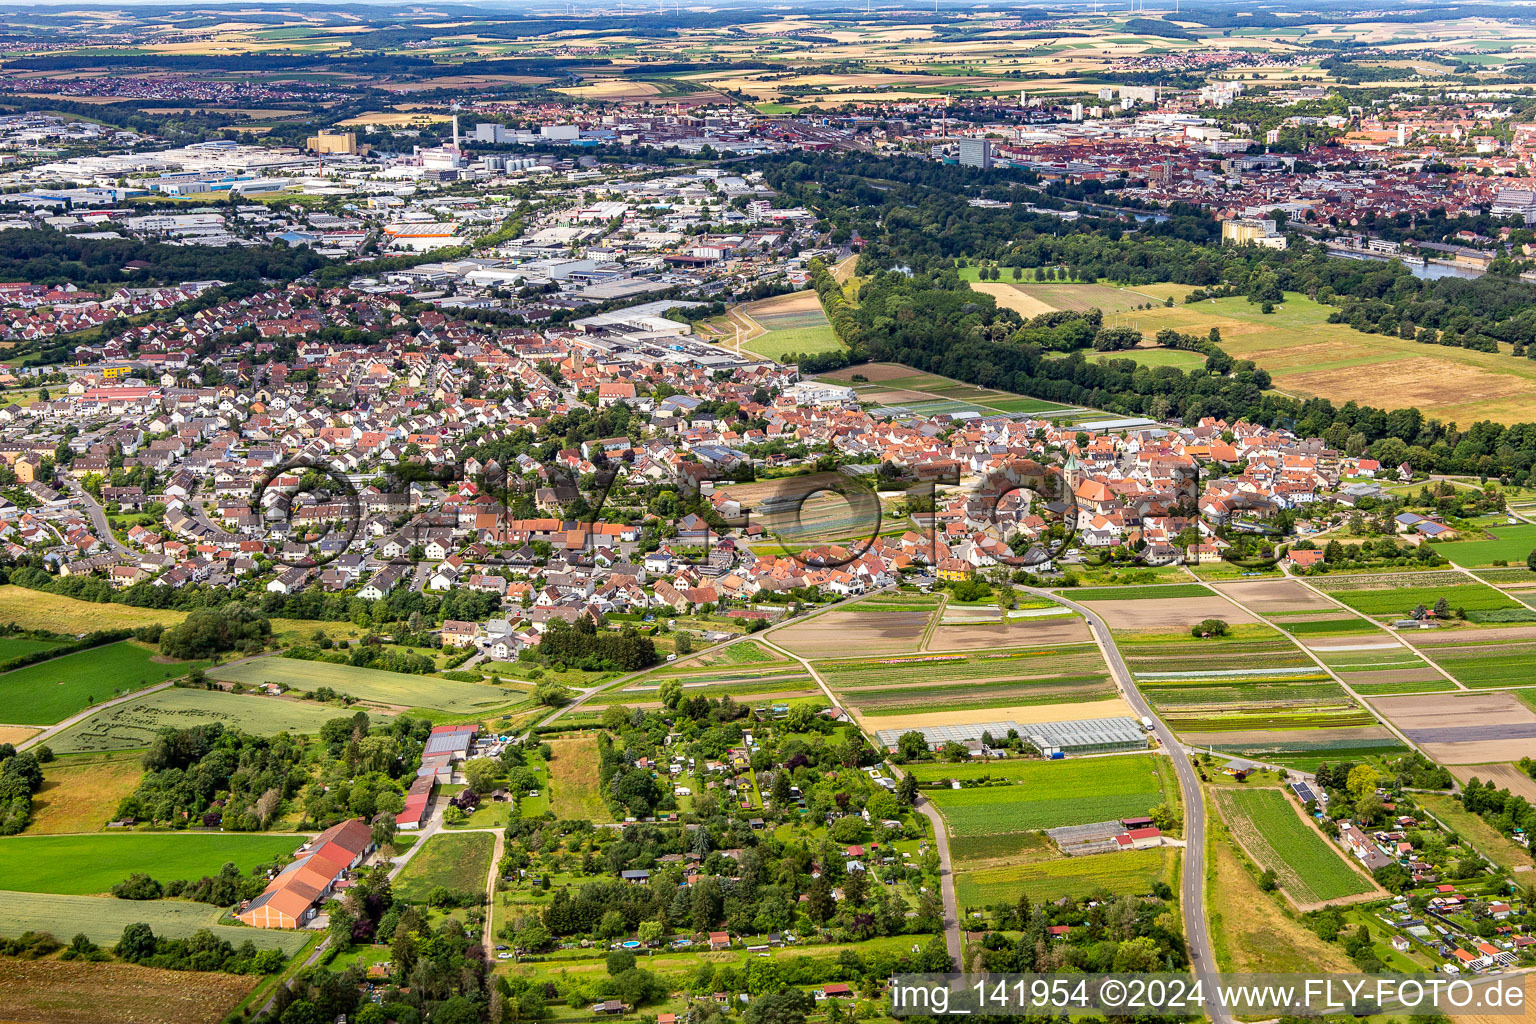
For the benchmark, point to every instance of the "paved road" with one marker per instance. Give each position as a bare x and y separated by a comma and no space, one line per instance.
1192,887
98,517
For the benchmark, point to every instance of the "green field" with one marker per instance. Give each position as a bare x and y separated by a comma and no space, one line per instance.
1160,592
83,865
51,691
394,688
457,860
1506,664
16,646
1506,543
796,340
134,723
1274,834
1133,872
1387,598
1046,794
103,919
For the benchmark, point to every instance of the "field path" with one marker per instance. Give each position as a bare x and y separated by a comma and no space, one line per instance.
76,719
923,805
1192,886
489,939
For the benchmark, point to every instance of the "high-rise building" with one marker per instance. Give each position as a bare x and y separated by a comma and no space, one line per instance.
493,133
332,142
976,153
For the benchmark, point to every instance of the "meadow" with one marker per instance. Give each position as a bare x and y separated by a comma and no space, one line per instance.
80,793
83,865
1275,836
891,384
134,723
1505,543
573,788
103,919
1306,355
1134,872
37,609
397,689
459,861
50,691
1046,794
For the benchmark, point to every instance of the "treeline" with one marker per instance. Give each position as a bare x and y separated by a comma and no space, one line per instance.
204,951
582,645
1508,812
21,775
52,257
216,777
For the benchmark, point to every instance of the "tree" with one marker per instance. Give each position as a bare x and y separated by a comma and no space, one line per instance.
1362,781
1209,628
911,745
906,789
137,943
1530,560
787,1006
480,774
682,644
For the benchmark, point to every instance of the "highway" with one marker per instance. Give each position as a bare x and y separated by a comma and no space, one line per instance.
1192,886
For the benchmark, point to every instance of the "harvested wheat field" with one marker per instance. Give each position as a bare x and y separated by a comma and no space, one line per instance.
1023,714
1504,776
844,633
1268,596
1015,633
612,89
1470,728
1012,298
70,992
1158,613
14,734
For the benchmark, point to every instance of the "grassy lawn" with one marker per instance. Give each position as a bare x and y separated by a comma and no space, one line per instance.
51,691
103,919
1133,872
80,794
133,724
457,861
1506,543
84,865
797,340
395,688
1250,929
1489,841
573,788
15,646
1273,832
1047,794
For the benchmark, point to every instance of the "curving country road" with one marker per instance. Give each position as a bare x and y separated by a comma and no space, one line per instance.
1192,886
